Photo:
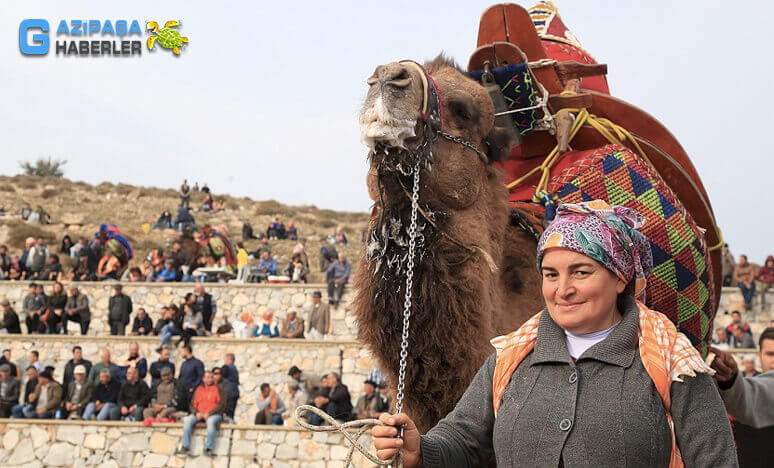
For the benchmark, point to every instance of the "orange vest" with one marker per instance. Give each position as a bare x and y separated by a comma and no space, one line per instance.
206,398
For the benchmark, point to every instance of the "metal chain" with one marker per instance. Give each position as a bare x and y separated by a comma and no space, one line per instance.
466,144
412,232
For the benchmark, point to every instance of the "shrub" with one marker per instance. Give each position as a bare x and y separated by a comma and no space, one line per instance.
44,167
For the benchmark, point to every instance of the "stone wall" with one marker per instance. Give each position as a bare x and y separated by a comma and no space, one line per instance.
34,444
232,300
258,361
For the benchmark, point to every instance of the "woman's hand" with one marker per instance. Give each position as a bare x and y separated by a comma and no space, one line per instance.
387,443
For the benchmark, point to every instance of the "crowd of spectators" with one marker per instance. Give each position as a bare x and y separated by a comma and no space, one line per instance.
187,391
748,277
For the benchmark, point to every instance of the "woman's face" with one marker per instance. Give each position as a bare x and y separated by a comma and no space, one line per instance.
580,293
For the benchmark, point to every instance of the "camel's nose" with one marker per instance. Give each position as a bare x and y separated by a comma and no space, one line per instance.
392,74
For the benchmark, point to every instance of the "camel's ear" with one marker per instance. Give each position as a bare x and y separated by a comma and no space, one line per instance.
499,143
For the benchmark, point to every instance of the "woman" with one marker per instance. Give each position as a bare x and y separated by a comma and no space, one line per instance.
193,323
16,270
596,379
173,326
56,305
268,328
67,244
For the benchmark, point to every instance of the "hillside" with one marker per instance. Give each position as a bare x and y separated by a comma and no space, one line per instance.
78,208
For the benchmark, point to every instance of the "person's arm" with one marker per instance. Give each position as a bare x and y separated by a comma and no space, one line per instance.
299,329
142,368
262,403
145,396
222,400
749,399
464,436
697,404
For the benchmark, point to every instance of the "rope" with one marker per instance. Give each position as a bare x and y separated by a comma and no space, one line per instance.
362,426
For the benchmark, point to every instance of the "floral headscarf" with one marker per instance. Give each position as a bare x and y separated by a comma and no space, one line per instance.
607,234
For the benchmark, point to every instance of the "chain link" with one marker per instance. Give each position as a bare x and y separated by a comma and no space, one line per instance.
466,144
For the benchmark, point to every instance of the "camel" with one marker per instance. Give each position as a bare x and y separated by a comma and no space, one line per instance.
475,273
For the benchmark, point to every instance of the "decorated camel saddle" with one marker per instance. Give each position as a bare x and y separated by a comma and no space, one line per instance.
578,143
109,239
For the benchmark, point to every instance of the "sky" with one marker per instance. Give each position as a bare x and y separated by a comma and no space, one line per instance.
263,100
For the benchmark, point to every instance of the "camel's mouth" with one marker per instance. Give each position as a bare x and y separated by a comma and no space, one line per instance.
378,127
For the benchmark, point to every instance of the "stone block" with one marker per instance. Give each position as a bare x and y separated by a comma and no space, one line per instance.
338,452
287,451
199,462
60,454
22,453
155,460
109,464
10,439
137,460
71,434
311,450
94,441
266,451
162,443
135,442
243,447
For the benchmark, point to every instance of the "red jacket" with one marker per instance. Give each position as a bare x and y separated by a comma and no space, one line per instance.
765,274
208,399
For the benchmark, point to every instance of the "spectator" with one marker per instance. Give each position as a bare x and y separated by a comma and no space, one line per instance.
77,310
173,325
147,271
736,319
207,203
193,324
334,399
371,405
133,397
161,364
721,339
205,189
744,278
119,310
749,367
765,278
196,187
37,257
34,360
340,237
242,256
164,221
9,391
191,372
328,254
16,271
51,271
184,221
320,323
727,266
276,229
82,272
300,248
67,244
292,232
164,397
267,265
179,255
740,339
207,405
5,262
230,390
206,305
78,394
297,397
268,327
229,370
310,383
33,307
45,400
105,363
135,275
142,325
78,248
132,360
29,389
337,276
77,360
247,231
108,267
185,195
53,317
292,326
263,247
25,211
104,399
270,407
296,270
10,321
6,359
169,273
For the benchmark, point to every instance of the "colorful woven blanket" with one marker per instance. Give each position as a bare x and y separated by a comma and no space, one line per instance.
515,81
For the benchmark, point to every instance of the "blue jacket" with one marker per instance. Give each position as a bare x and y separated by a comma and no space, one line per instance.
271,331
167,274
191,373
270,265
338,271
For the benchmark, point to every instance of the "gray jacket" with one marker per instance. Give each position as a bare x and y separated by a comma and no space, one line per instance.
79,304
602,410
750,400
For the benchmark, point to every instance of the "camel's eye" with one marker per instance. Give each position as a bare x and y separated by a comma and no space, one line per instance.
462,109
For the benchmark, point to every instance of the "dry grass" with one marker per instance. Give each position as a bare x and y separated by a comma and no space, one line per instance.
7,188
21,231
48,193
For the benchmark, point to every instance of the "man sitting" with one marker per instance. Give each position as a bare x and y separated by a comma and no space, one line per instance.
133,397
142,325
337,276
164,398
371,405
208,404
268,265
164,221
9,391
158,366
334,399
104,399
44,402
79,393
270,407
131,360
297,397
230,390
247,231
292,326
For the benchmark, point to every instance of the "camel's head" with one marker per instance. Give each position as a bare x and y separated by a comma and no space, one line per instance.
392,124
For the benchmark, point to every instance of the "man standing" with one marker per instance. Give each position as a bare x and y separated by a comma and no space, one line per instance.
191,373
79,393
105,363
206,305
6,359
164,395
104,399
46,398
292,326
750,400
33,306
157,367
230,390
133,397
337,276
185,194
77,310
319,318
207,405
270,407
34,360
334,399
9,391
328,254
133,360
10,321
119,310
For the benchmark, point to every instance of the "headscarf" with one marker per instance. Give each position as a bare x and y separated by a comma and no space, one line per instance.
268,316
606,234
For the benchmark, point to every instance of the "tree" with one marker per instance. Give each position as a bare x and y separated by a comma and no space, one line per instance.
44,167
